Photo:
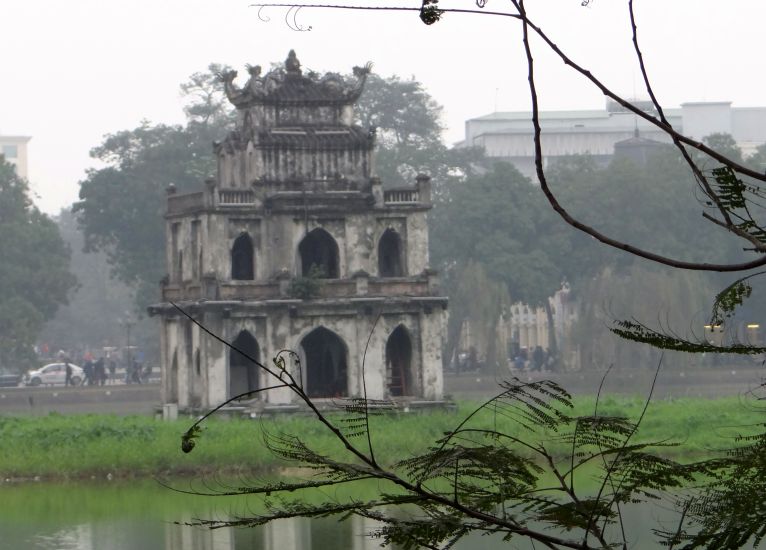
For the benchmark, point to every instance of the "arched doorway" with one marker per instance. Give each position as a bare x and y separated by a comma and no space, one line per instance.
242,264
326,364
399,363
319,249
390,261
243,373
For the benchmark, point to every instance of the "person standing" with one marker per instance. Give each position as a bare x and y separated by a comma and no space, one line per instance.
87,369
135,372
68,370
99,372
112,370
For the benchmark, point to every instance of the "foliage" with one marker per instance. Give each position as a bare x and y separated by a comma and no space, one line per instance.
481,301
121,206
91,318
652,295
729,511
501,221
408,129
638,332
309,286
34,271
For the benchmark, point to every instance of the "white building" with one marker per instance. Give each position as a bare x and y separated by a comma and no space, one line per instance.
508,135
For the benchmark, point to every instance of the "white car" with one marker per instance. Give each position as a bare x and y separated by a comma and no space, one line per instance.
55,373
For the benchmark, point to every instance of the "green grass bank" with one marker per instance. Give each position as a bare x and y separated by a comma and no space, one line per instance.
59,447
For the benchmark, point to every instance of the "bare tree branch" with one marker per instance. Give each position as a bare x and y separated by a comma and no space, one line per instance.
561,211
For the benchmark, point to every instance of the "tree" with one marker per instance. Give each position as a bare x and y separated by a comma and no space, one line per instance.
480,301
34,272
500,221
121,206
471,480
409,141
90,319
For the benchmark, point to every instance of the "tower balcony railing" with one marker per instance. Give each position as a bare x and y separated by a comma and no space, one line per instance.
186,201
235,197
401,196
211,289
322,185
398,287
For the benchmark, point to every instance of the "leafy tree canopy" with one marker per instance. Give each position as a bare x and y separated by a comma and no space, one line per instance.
501,221
91,318
409,127
121,206
34,271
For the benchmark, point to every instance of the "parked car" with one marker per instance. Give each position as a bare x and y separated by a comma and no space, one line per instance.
9,379
54,373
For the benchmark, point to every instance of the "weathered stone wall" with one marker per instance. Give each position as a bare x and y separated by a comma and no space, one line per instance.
362,331
276,240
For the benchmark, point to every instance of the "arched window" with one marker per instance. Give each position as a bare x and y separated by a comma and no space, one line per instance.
326,364
399,362
243,372
390,261
242,264
319,249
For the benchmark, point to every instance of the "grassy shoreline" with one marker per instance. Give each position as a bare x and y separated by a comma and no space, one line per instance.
104,447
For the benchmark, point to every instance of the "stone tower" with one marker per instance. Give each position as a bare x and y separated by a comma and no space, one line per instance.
295,244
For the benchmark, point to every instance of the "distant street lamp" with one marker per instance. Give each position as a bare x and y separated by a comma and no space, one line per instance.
127,322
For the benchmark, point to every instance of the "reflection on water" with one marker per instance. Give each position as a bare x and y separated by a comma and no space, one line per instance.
146,534
146,516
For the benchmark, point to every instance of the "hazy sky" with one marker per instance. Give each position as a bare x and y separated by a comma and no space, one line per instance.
74,71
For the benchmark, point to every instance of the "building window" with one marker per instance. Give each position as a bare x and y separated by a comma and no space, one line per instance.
242,261
399,362
390,262
326,364
10,151
319,250
243,370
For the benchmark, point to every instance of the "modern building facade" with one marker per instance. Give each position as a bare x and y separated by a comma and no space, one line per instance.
14,150
294,244
508,135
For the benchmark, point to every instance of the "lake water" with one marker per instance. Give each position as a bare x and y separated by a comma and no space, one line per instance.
142,516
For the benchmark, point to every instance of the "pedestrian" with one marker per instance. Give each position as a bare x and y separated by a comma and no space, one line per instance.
112,371
68,369
135,372
518,362
99,372
87,370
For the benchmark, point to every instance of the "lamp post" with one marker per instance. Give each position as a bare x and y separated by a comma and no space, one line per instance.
127,321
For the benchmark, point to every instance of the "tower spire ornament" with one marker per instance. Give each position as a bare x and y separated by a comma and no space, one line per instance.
292,65
288,85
